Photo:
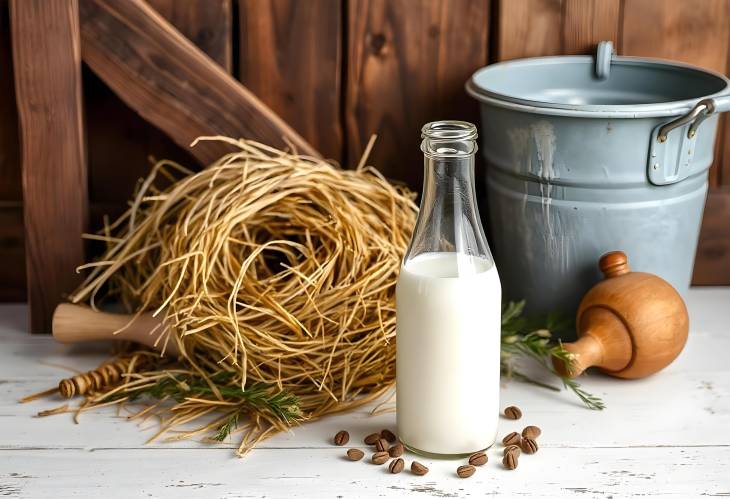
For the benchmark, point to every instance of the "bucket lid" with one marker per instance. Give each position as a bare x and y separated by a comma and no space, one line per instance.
633,87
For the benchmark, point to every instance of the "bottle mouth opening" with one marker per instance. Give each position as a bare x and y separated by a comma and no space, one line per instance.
449,139
449,129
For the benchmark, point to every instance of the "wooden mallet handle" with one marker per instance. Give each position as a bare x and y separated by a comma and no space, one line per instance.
76,323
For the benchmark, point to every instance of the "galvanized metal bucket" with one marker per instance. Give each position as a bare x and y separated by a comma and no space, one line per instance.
590,154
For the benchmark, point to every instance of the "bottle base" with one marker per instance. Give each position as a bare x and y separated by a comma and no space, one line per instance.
437,455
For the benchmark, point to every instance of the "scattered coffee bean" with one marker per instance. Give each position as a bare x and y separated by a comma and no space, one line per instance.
510,460
381,445
396,466
515,449
528,445
396,450
478,459
355,454
342,437
418,469
380,457
513,412
531,432
465,471
372,438
512,439
388,435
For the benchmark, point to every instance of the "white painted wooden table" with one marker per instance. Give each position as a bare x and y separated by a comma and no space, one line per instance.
668,435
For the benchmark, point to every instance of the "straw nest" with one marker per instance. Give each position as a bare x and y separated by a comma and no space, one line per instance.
272,267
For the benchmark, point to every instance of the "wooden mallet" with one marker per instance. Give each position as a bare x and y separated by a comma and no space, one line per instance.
630,325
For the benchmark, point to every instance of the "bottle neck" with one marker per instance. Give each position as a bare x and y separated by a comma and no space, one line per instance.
448,221
449,193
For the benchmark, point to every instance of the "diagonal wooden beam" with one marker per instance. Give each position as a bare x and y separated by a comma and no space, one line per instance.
171,83
47,60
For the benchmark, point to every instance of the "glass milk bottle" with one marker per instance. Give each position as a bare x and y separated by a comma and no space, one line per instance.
448,314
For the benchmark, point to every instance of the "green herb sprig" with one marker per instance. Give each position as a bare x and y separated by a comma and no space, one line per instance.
532,338
227,427
281,405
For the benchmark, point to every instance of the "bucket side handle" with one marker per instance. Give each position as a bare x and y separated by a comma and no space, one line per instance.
670,161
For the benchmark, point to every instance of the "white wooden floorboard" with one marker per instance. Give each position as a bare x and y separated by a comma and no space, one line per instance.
663,436
324,473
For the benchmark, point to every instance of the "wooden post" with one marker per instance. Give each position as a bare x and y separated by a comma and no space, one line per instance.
47,59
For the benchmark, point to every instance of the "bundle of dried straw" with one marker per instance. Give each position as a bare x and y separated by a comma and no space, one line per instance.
273,270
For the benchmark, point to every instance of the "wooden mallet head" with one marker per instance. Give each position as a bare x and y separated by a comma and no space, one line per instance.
630,325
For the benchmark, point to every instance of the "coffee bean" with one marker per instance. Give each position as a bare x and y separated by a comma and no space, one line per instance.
388,435
515,449
372,438
342,437
478,459
465,471
510,460
418,469
531,432
381,445
513,412
512,439
396,450
528,445
396,466
355,454
380,457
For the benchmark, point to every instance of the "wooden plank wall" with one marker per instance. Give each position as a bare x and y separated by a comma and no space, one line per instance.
12,249
290,56
339,71
407,61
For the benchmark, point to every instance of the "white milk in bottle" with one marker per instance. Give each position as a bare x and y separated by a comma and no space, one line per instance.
448,308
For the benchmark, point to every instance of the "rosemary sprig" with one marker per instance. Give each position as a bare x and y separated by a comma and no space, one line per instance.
227,427
522,336
260,397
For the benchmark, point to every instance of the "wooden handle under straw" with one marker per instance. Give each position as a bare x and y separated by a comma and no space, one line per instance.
76,323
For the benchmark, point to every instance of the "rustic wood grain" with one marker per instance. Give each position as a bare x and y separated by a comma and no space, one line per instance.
407,64
712,263
587,22
529,28
171,83
12,270
10,184
113,126
693,32
209,25
206,23
47,62
290,57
